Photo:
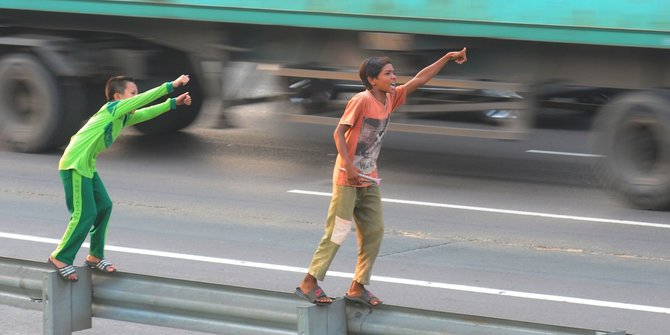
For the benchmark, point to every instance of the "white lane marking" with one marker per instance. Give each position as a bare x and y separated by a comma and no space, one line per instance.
503,211
561,153
392,280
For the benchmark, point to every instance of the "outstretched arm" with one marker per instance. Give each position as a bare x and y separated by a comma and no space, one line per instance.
119,108
431,70
149,113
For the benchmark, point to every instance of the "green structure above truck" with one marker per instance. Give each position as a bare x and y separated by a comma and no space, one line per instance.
608,58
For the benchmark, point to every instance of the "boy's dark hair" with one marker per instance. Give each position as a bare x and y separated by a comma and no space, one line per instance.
371,67
116,85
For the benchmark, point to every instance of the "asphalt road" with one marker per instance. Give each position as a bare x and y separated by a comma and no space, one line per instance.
469,212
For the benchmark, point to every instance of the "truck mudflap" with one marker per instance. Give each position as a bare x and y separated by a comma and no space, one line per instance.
632,137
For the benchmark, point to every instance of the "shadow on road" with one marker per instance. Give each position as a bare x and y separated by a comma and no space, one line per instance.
168,145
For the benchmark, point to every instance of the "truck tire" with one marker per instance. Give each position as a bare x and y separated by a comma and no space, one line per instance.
177,63
32,110
633,136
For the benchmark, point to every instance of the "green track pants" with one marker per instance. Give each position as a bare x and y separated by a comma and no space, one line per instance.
90,206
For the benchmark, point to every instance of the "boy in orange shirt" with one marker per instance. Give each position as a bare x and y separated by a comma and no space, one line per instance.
356,196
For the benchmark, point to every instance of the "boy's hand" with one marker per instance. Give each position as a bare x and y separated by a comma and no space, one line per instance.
459,57
352,174
183,99
181,81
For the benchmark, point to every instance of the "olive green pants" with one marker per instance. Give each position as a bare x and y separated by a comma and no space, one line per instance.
359,205
90,206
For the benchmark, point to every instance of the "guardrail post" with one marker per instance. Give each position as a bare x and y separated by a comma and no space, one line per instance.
67,305
323,320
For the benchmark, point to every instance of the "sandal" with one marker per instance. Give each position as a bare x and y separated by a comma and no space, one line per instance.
314,295
365,298
65,272
101,265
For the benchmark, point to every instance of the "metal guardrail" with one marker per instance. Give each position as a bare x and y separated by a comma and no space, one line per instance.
222,309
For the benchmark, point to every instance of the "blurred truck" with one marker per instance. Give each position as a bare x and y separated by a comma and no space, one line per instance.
611,59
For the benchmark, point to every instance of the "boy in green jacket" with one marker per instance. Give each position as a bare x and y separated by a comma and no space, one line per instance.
85,194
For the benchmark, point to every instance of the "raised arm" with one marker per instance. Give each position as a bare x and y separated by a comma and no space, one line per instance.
119,108
432,70
149,113
144,114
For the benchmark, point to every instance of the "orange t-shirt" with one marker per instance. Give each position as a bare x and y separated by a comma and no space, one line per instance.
369,120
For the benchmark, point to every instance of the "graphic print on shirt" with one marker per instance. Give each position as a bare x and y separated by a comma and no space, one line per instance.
369,144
